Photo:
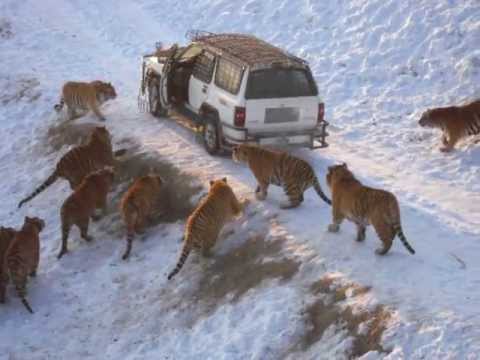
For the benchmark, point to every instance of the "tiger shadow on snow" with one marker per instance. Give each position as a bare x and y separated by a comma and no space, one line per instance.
224,279
364,327
175,200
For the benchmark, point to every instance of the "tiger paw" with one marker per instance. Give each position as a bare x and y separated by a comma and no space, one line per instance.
333,228
445,149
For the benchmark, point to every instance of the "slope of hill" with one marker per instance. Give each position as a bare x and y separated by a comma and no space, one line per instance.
279,285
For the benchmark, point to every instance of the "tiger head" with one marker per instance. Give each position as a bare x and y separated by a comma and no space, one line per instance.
241,153
434,117
100,133
217,184
426,119
155,180
106,90
36,222
337,172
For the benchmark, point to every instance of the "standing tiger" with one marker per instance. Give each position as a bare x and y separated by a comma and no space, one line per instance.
207,220
6,237
364,206
84,96
456,122
279,168
80,206
22,257
80,161
138,204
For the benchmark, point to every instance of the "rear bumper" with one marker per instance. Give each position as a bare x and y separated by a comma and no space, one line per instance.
312,138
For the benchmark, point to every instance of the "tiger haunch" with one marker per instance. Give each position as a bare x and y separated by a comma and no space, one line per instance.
279,168
138,204
84,96
80,161
6,237
456,122
207,220
80,206
22,257
364,206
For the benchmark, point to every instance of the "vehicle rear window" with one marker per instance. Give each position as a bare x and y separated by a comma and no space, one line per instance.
280,83
228,76
203,69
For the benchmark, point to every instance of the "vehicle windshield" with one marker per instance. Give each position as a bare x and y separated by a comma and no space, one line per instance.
280,83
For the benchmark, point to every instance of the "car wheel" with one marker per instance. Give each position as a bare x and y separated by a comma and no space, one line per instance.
155,105
210,136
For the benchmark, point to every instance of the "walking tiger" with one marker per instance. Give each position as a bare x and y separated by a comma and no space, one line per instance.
22,258
138,204
84,96
207,220
279,168
364,206
80,206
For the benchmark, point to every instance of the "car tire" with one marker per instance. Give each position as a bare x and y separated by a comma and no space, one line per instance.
210,135
155,105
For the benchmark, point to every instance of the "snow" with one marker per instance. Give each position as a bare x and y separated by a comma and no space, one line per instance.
280,286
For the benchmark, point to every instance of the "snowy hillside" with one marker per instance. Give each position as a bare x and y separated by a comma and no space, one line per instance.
278,286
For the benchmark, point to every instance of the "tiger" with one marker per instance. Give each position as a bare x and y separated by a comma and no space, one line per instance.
80,161
364,206
80,206
279,168
84,96
203,226
7,234
456,122
138,204
22,257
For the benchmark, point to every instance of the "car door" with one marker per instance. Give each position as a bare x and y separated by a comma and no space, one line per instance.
201,80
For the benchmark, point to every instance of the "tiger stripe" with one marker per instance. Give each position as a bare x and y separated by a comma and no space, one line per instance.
84,96
79,162
22,257
295,175
207,220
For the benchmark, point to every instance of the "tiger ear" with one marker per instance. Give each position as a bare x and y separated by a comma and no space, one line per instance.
344,165
211,182
224,180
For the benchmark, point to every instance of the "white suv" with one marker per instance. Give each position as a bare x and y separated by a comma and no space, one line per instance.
236,88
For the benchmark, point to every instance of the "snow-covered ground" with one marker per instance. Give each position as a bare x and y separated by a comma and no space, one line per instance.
280,286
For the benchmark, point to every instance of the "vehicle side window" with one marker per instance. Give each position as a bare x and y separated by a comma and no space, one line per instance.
203,69
228,76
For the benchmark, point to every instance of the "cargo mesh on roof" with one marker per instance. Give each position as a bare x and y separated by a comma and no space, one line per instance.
246,48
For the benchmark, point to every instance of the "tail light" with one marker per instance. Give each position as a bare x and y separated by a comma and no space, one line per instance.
239,116
321,113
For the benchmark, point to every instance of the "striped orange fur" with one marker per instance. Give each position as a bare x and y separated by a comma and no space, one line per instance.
84,96
80,161
279,168
364,206
207,220
455,122
6,237
80,206
138,204
22,257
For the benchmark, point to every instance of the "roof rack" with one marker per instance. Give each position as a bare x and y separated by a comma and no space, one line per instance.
247,48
